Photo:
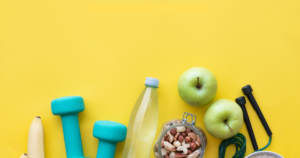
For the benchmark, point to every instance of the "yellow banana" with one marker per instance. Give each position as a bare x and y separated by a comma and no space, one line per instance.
35,148
23,156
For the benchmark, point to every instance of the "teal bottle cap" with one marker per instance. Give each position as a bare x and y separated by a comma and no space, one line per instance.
67,105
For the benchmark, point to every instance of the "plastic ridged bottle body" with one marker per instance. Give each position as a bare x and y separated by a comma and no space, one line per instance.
142,125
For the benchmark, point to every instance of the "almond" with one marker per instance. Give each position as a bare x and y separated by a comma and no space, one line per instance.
192,135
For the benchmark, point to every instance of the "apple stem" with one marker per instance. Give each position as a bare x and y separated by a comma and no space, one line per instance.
226,122
198,83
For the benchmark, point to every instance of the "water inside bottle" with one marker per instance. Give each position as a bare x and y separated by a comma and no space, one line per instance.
142,125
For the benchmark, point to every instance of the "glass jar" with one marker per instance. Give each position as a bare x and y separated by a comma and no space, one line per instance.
181,137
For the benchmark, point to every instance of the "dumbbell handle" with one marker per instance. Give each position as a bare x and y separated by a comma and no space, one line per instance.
259,113
72,135
106,149
249,127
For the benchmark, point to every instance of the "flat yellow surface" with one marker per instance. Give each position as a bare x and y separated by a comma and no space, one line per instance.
50,49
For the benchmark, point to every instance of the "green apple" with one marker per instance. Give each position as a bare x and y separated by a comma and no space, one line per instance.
197,86
223,119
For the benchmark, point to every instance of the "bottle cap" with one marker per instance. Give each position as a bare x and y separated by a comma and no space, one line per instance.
152,82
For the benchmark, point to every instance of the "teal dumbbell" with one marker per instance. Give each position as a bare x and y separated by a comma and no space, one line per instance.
109,134
68,108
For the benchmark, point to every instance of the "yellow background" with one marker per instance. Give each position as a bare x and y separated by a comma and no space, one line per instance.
50,49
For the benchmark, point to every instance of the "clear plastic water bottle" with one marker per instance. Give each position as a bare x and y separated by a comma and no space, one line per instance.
143,122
